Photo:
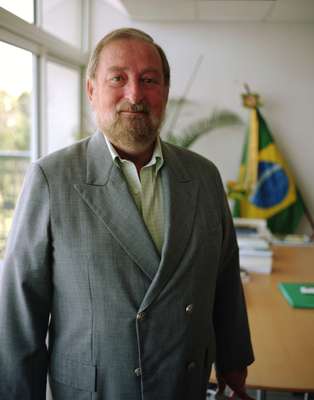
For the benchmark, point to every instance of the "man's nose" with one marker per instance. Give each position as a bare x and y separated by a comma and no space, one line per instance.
134,92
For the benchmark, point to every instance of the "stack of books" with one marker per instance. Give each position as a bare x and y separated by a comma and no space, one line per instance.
255,254
253,239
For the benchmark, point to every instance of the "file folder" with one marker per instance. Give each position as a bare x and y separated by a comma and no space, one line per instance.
292,293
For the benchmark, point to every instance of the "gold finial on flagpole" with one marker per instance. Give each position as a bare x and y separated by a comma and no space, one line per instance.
249,99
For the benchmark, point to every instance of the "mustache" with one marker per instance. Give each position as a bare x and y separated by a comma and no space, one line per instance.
133,107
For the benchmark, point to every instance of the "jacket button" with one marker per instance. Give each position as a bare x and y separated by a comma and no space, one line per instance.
191,366
189,309
140,316
138,371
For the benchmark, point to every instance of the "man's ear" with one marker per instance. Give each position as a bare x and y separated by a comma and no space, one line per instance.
90,89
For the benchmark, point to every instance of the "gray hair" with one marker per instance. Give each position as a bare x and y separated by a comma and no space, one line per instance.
126,33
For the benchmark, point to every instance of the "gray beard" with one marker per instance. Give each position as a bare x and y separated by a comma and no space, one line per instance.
136,130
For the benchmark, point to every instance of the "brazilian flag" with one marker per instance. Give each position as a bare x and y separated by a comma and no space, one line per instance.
266,187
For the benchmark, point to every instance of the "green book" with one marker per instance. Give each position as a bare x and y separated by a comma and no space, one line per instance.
293,294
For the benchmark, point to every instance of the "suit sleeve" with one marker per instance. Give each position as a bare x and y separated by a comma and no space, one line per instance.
25,293
233,343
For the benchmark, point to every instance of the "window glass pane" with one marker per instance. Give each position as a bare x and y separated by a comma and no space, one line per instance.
63,19
15,129
22,8
63,105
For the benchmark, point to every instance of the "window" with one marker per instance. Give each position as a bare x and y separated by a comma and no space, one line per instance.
21,8
43,56
55,19
63,106
15,128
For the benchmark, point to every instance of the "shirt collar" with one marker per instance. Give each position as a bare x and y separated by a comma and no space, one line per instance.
157,157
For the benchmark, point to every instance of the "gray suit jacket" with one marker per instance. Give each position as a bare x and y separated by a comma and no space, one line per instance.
124,322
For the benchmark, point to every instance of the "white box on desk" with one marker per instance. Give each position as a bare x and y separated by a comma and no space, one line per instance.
258,264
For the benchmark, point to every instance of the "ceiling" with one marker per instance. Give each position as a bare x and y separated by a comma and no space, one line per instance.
217,10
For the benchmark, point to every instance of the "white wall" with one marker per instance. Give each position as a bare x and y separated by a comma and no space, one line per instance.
276,60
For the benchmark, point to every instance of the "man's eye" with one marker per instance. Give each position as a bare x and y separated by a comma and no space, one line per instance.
116,80
149,81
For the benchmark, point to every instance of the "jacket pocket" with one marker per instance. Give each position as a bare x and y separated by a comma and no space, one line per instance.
72,373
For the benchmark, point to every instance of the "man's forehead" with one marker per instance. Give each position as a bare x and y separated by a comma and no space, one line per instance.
117,68
119,48
116,42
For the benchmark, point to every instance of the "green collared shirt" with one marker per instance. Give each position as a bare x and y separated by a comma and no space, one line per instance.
146,190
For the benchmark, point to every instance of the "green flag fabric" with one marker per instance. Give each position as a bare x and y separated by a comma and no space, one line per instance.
266,187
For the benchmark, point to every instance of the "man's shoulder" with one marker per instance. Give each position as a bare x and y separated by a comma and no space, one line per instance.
188,158
66,163
67,154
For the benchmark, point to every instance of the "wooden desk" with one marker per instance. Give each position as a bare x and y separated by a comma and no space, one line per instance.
283,337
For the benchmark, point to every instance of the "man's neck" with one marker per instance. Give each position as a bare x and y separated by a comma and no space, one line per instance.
138,158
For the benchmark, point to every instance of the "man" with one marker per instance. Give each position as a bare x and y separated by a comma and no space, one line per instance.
127,245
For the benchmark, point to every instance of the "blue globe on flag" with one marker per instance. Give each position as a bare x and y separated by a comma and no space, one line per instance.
272,185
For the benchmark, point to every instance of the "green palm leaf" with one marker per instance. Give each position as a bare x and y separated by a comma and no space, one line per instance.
218,119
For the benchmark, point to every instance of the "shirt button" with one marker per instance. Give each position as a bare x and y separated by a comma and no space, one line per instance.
191,366
138,371
189,309
140,316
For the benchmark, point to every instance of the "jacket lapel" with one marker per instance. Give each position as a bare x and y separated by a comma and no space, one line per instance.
180,197
107,194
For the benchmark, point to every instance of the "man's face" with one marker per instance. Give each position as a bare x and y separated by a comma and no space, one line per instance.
129,94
